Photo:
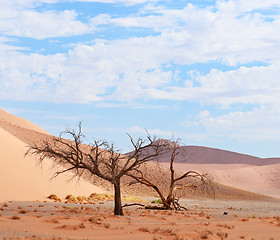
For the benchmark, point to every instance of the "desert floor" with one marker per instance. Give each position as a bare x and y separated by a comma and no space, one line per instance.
204,219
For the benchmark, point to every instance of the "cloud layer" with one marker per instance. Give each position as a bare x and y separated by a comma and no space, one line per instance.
152,57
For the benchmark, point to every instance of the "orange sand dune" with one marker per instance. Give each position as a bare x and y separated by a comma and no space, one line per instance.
21,122
259,179
22,179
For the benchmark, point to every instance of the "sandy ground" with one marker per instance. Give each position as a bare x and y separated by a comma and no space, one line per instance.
204,219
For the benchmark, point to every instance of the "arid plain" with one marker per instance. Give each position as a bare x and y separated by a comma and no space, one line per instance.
27,213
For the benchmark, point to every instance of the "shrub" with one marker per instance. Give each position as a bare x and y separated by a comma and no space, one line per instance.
54,198
158,201
15,217
71,199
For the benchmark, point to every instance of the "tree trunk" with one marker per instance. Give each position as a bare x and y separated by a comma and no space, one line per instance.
118,201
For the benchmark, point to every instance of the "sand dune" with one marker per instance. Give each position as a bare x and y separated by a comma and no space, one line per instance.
22,179
21,122
259,179
229,168
206,155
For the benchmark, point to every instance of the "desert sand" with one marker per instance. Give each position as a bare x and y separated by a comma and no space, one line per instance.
204,219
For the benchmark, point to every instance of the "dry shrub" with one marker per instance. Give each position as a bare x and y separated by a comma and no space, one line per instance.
225,226
74,210
15,217
71,199
205,234
144,229
22,211
101,197
222,235
54,198
82,199
95,220
133,199
169,231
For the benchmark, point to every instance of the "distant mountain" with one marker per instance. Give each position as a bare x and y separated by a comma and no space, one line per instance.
207,155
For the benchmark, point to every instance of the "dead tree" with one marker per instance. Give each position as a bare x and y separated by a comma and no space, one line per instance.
171,201
99,158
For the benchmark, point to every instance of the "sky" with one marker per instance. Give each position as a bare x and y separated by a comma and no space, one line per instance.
207,72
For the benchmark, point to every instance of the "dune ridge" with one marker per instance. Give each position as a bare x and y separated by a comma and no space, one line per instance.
18,121
259,175
207,155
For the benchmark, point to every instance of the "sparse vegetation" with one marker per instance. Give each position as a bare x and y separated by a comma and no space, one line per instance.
54,198
101,197
158,201
71,199
222,235
225,226
205,234
22,211
16,217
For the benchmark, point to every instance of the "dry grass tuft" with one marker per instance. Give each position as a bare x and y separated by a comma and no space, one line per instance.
82,199
133,199
205,234
15,217
101,197
71,199
222,235
54,198
144,229
225,226
95,220
22,211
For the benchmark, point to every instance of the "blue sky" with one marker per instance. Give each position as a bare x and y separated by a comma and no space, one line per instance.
207,72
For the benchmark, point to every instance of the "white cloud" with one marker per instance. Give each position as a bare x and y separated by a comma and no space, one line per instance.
132,68
40,25
259,124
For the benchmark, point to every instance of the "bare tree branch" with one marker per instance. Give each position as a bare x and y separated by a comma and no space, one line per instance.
100,158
